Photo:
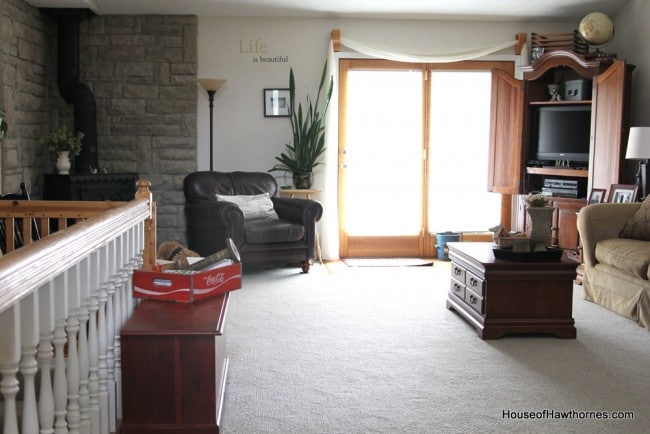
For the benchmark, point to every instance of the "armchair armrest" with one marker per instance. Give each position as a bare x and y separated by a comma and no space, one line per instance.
599,222
210,223
303,211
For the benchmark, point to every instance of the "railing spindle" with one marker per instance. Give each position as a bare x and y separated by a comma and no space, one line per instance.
28,365
9,357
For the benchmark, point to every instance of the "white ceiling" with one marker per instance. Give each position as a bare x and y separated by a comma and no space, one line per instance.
407,9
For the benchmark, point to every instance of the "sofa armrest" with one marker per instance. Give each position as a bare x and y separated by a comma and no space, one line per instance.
210,223
601,221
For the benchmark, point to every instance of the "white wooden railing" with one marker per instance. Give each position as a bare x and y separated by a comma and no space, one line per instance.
63,300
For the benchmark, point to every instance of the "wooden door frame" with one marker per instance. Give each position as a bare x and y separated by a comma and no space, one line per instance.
423,244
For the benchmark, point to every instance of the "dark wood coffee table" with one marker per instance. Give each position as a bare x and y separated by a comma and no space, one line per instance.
499,296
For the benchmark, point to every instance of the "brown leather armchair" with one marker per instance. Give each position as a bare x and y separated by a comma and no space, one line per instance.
288,239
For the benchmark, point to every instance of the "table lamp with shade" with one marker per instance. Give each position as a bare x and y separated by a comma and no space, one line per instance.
638,148
211,85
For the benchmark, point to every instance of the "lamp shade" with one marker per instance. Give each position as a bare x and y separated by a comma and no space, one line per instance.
638,144
211,84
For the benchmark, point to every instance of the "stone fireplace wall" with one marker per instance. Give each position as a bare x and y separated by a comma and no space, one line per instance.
27,71
142,72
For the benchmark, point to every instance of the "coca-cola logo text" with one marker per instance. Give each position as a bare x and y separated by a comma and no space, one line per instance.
215,280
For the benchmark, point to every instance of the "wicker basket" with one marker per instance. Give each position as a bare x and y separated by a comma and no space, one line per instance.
560,41
516,244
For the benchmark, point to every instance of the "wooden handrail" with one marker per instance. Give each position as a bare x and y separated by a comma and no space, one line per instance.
96,223
34,265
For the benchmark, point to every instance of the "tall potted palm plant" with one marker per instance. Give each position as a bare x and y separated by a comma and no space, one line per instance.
308,134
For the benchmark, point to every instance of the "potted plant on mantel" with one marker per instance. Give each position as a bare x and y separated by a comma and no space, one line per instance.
308,130
65,144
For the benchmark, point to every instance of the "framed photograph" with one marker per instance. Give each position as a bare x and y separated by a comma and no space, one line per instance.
597,195
623,193
276,103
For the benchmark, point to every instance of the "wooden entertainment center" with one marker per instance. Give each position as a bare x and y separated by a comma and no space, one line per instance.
514,105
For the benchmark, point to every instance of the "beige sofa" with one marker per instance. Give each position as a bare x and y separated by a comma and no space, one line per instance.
615,238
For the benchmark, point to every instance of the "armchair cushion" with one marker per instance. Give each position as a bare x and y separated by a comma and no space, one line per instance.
254,206
638,226
277,231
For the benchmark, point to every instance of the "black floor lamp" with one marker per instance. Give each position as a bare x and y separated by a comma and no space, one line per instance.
212,85
638,148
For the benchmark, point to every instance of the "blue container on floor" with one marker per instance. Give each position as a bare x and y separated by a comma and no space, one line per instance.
442,238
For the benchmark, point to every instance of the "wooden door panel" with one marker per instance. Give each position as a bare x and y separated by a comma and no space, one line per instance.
506,127
608,127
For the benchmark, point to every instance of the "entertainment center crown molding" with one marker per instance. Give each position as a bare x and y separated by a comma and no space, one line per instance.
515,105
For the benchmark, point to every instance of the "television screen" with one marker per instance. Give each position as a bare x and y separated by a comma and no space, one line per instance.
562,133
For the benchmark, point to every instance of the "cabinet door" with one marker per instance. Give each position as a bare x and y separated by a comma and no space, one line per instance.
565,224
506,126
608,127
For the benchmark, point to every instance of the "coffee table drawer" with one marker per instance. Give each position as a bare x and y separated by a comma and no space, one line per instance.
458,289
474,300
474,283
458,272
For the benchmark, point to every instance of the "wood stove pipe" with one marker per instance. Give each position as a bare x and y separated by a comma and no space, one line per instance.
73,91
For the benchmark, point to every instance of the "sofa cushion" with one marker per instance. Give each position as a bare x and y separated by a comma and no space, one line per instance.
638,226
272,231
255,206
630,256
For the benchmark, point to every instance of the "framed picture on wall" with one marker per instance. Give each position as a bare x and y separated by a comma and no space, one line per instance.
623,193
276,103
597,195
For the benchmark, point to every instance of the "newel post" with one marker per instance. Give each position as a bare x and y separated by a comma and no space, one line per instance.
149,255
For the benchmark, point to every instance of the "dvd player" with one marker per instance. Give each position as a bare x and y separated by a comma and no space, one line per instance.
561,183
560,192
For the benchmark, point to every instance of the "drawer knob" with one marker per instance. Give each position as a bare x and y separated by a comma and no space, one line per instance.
472,299
456,287
473,281
457,271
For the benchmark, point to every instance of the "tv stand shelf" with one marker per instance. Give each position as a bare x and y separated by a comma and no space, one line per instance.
558,171
562,102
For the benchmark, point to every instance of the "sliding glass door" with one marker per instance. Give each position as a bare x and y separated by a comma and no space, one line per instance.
413,143
381,172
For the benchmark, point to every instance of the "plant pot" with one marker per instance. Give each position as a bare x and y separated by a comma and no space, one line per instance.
303,181
63,163
541,222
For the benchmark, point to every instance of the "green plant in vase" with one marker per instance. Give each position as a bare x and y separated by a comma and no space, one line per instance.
308,134
65,144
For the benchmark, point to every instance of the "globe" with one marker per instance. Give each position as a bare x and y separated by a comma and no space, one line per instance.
596,28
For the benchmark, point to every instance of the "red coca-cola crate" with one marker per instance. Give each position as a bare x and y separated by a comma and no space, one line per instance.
186,287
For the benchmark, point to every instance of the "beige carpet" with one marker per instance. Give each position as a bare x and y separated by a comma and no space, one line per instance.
374,350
